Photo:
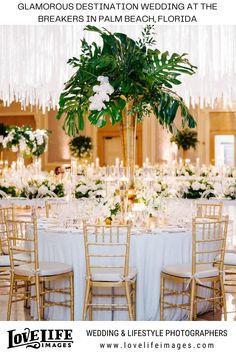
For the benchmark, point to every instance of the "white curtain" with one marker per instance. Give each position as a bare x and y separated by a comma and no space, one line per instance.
33,61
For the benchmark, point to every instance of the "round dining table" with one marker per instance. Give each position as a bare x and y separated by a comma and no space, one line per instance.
150,250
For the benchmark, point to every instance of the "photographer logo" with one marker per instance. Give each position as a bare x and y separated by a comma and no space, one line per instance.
40,338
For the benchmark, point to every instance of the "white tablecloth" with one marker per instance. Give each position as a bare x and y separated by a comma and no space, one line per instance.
148,253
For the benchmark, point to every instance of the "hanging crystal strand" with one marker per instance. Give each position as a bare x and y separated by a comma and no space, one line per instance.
38,75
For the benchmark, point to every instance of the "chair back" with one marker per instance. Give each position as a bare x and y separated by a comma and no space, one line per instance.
208,242
107,247
209,211
23,243
5,214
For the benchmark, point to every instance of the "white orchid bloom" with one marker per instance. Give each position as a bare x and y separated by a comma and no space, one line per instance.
103,79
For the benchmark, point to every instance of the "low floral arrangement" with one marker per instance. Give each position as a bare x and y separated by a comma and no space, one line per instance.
185,171
154,206
114,207
230,191
90,189
8,190
102,206
194,189
152,198
81,147
35,189
208,171
25,140
160,188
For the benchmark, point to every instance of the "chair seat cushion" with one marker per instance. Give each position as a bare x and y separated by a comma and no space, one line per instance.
4,261
185,270
45,269
111,274
230,251
230,259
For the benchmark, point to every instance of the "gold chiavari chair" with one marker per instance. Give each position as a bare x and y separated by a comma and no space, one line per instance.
208,241
23,249
5,213
229,270
107,250
209,210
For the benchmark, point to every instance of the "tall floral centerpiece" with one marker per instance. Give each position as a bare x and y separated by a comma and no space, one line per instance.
124,80
25,142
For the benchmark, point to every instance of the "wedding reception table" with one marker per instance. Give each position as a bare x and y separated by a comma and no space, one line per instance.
149,251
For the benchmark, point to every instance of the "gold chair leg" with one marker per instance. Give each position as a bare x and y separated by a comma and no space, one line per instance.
72,297
134,299
192,299
86,299
42,299
129,302
37,290
10,297
223,297
27,294
195,304
90,299
162,298
214,297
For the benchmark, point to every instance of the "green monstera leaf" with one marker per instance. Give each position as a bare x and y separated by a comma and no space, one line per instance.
136,70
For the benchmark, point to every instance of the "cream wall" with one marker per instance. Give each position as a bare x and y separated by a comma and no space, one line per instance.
156,140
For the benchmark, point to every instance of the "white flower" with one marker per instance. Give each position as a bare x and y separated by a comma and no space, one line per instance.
10,136
103,79
42,190
22,144
101,95
97,106
31,136
39,139
52,187
231,190
196,186
32,189
104,96
107,88
187,185
82,189
14,148
96,88
203,186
